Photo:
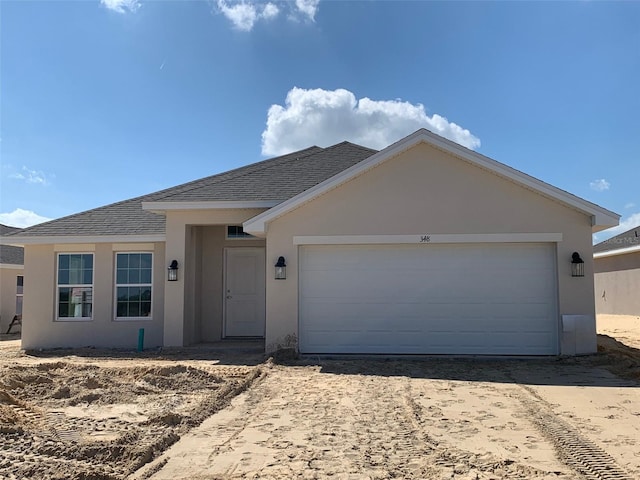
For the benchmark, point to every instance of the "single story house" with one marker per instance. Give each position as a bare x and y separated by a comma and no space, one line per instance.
11,279
424,247
617,274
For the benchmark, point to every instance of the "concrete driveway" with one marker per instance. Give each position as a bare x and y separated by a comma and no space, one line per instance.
430,418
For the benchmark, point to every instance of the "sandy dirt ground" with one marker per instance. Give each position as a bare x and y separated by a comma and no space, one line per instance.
91,414
624,328
198,415
413,419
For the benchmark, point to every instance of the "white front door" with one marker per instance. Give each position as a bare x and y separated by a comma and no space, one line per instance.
244,292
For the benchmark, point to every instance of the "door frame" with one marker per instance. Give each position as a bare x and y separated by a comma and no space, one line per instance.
224,286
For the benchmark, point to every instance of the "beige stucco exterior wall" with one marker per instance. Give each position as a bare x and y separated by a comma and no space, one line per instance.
40,328
8,282
617,284
193,304
426,191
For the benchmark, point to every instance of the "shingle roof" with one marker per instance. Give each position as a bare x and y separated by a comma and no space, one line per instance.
278,178
6,229
630,238
9,254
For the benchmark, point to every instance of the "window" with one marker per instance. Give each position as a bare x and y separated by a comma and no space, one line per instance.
75,286
133,285
236,231
19,293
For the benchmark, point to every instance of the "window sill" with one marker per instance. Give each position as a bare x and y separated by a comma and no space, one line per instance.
231,239
133,319
74,319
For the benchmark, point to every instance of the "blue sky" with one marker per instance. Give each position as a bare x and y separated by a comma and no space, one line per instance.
104,100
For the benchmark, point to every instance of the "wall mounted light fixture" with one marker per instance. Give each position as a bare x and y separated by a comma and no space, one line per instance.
172,274
577,265
281,269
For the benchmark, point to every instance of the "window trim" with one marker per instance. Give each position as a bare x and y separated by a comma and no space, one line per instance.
116,318
246,236
58,318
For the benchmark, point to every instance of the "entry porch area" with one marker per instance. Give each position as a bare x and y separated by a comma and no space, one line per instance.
220,290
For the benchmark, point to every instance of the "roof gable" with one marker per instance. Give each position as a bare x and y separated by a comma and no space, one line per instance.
601,218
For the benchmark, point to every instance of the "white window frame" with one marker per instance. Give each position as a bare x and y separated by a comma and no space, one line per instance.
246,236
19,294
116,285
74,285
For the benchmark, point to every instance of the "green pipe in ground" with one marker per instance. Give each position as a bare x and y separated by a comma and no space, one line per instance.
141,339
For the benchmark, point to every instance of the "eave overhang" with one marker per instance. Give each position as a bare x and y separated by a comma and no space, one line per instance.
162,207
619,251
18,241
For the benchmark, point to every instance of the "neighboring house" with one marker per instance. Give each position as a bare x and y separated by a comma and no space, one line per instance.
423,247
617,274
11,279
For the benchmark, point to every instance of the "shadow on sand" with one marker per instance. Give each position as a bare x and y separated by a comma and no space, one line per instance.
615,365
227,352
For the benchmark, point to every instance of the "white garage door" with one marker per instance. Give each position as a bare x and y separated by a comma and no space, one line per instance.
433,299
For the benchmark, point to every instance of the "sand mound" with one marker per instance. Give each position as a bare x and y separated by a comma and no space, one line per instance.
64,420
619,358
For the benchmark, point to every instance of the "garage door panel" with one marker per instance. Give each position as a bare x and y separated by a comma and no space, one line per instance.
350,342
384,284
477,299
514,313
335,312
423,286
467,314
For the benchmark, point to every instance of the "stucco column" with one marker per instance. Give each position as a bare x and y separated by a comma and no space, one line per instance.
576,294
174,291
39,301
281,295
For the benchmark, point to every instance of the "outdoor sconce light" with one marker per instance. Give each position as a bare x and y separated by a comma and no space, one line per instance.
173,271
577,265
281,269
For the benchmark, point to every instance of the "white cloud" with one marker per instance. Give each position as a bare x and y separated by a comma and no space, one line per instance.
632,221
244,14
308,8
600,185
121,6
37,177
325,117
630,205
22,218
270,11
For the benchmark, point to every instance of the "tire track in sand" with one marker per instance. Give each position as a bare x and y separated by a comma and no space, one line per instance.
575,450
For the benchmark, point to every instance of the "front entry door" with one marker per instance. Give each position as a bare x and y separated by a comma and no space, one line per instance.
244,292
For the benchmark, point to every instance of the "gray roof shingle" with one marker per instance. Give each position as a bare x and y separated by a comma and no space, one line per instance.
278,178
9,254
630,238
